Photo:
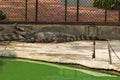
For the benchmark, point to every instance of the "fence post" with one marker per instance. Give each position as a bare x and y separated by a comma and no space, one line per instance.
66,4
119,15
105,15
26,9
36,13
77,16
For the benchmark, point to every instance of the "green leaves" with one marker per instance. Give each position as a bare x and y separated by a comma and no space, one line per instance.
107,4
2,15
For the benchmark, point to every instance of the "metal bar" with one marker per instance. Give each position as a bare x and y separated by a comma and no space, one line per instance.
66,4
88,30
26,9
36,13
109,51
114,51
93,55
77,13
119,11
94,40
115,24
97,31
105,15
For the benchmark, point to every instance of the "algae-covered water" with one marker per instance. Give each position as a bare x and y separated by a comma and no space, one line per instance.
12,69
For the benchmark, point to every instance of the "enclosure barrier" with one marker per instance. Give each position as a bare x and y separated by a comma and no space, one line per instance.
110,49
57,12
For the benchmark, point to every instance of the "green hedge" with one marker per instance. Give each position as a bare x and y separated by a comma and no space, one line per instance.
2,15
107,4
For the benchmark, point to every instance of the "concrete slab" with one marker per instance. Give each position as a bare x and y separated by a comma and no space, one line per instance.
79,52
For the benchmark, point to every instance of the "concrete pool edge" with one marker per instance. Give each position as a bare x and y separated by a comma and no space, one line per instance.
78,52
70,65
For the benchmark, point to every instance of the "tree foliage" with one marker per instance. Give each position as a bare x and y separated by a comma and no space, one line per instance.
2,15
107,4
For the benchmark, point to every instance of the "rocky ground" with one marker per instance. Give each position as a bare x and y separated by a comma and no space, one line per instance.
79,52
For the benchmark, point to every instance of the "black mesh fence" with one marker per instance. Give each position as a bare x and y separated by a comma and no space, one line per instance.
56,11
14,9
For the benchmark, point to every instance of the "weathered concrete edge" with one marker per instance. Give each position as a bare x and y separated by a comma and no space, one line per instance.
70,64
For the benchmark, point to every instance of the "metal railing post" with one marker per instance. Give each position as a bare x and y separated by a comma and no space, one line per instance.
93,55
119,15
94,40
26,9
119,11
66,4
77,13
109,51
105,15
36,13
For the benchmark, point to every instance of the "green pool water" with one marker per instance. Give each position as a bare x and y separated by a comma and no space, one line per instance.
11,69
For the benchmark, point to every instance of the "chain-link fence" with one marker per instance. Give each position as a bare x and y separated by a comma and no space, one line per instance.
57,11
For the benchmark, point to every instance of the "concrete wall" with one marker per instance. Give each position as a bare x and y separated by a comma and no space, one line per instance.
106,32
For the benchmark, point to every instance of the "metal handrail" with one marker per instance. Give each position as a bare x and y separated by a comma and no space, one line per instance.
110,48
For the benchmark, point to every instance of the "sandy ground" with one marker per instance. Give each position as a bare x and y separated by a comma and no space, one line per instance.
79,52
